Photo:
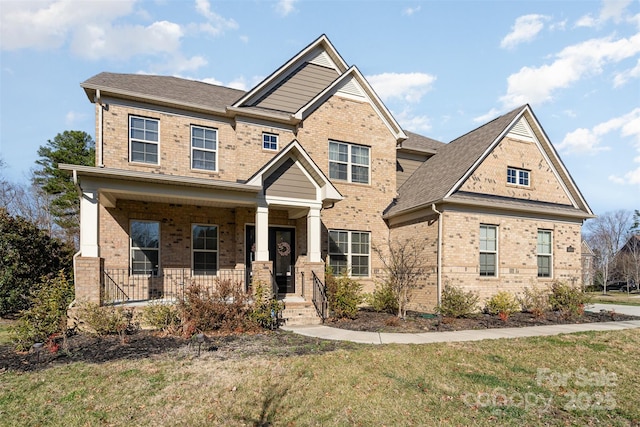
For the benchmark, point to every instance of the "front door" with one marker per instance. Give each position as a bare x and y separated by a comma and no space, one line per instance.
282,254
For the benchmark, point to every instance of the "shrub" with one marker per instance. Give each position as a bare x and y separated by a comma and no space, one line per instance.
225,308
344,295
504,304
47,315
457,303
535,300
108,320
161,316
383,299
266,309
568,300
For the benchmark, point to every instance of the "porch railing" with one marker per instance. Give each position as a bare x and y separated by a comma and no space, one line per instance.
320,300
121,286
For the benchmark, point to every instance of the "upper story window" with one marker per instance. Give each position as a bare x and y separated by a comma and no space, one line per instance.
204,148
488,250
349,251
269,141
144,138
544,253
518,176
204,241
145,247
348,162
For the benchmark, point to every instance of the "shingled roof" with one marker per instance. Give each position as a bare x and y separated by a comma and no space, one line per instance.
415,142
167,89
438,175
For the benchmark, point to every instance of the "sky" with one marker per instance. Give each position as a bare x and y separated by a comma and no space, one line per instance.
442,68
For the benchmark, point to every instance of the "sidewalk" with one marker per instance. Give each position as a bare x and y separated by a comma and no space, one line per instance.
329,333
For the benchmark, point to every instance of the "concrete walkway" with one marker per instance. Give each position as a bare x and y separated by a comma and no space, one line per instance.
329,333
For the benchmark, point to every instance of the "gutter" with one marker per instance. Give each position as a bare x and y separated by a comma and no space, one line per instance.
439,273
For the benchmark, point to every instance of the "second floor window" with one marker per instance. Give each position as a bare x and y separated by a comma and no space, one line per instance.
518,176
348,162
204,148
144,138
269,141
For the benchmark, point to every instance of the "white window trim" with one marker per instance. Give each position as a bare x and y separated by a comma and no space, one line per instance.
217,251
520,173
144,141
549,255
215,152
496,252
349,163
132,248
349,254
277,141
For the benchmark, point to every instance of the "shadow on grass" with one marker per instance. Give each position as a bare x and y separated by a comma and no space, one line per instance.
271,405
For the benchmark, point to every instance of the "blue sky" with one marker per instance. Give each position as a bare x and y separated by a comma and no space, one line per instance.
442,67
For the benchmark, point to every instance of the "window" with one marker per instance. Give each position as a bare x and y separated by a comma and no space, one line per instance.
348,162
205,249
544,253
145,247
518,177
349,249
269,141
143,140
488,250
204,148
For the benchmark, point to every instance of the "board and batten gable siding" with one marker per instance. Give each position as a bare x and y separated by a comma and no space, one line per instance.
298,88
406,164
289,181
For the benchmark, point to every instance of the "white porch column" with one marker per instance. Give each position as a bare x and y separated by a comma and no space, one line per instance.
313,234
89,223
262,233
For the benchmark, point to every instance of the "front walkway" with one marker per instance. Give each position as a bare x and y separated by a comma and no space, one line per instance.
329,333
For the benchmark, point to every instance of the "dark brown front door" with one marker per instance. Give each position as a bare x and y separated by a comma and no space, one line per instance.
282,254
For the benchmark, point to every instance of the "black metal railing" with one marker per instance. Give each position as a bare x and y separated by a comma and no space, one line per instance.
274,285
112,292
320,300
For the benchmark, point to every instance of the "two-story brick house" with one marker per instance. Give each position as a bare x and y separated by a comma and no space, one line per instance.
195,181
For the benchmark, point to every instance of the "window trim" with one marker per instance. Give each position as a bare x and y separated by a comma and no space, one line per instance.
193,250
543,254
349,163
132,248
485,251
207,150
143,141
521,175
270,134
349,254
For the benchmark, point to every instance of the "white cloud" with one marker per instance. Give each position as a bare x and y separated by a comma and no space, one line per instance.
489,115
216,24
415,123
623,77
285,7
525,29
614,10
73,117
411,10
538,85
409,87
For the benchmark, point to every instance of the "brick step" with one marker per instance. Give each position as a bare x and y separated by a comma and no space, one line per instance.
300,313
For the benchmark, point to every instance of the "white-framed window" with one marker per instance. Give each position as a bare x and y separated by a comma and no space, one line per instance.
144,139
269,141
145,247
488,250
350,252
204,148
348,162
518,176
204,247
545,253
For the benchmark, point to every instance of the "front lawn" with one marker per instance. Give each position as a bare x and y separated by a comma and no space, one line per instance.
578,379
615,297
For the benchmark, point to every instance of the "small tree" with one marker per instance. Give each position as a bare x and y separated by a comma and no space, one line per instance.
404,264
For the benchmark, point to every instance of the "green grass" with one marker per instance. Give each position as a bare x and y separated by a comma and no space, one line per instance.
5,337
615,297
491,382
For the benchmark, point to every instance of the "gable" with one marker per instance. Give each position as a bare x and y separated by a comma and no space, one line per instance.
288,180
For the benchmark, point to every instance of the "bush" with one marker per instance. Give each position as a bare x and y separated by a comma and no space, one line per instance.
344,295
457,303
225,308
383,299
535,301
162,316
503,303
266,309
47,315
108,320
568,300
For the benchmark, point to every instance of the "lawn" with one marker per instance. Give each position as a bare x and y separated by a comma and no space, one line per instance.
615,297
577,379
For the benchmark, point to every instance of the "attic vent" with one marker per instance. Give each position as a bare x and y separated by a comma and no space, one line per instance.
322,58
350,87
521,130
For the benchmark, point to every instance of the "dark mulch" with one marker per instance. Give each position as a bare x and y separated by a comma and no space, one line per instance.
420,322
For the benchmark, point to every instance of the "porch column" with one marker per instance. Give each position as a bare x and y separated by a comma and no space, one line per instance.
262,233
313,234
89,226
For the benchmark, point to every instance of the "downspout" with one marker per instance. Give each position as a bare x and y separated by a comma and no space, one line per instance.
99,147
439,273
